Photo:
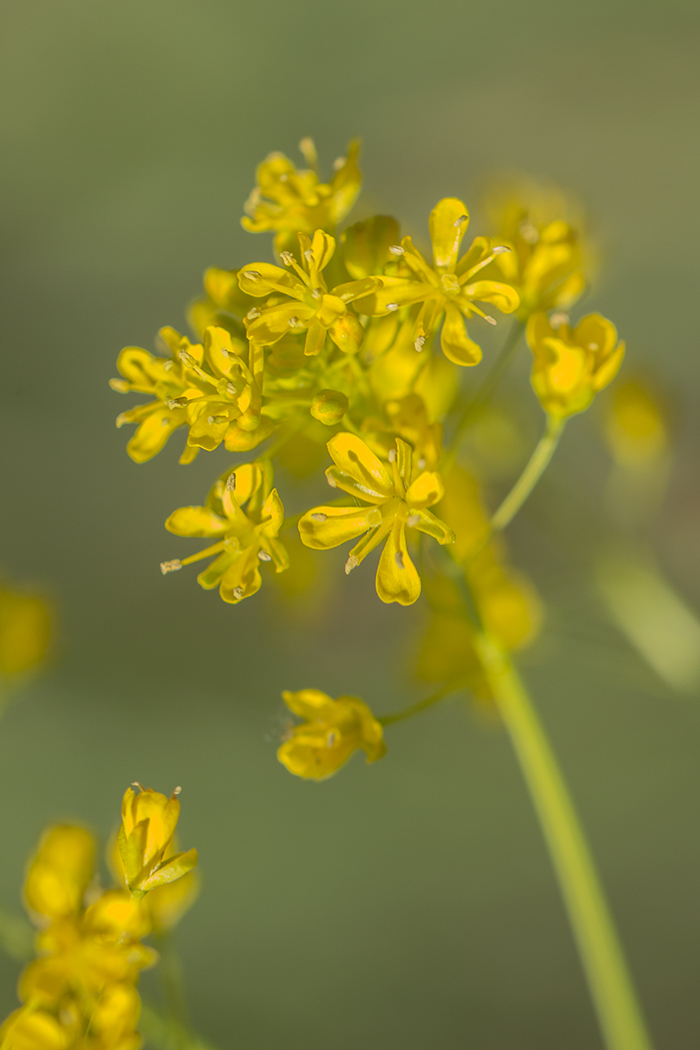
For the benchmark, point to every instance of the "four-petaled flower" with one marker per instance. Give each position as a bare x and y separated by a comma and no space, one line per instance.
149,820
398,496
244,538
447,288
307,304
331,732
572,365
287,200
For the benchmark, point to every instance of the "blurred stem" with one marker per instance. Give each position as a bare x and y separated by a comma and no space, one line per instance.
422,705
166,1034
610,984
173,984
536,466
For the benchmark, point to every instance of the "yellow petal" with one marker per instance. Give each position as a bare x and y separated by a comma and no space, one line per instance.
347,333
315,339
323,247
276,321
609,369
242,578
538,329
426,522
595,334
195,521
427,489
153,433
397,579
456,344
326,527
311,704
448,223
238,440
259,279
503,297
395,293
211,577
272,514
355,459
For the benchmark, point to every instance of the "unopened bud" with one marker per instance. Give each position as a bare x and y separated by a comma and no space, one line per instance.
329,407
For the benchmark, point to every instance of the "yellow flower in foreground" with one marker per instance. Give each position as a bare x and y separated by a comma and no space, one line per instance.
290,201
446,289
398,496
60,872
25,631
635,424
572,365
331,732
32,1029
244,538
149,820
308,305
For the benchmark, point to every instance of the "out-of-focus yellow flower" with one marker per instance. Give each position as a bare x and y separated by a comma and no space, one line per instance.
244,538
367,246
32,1029
331,732
60,872
25,631
398,496
221,404
446,289
407,418
307,304
148,825
635,424
572,365
115,1017
290,201
540,225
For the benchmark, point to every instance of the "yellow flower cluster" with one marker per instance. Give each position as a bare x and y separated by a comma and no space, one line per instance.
358,339
80,992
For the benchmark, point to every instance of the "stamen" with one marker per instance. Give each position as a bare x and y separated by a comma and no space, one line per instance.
412,520
419,343
316,294
421,463
253,313
287,258
170,566
330,740
187,359
264,556
176,792
252,275
232,544
231,482
294,322
392,455
501,248
137,784
318,516
238,593
176,402
461,219
309,255
331,482
491,320
284,176
397,249
398,557
231,389
351,564
392,306
167,365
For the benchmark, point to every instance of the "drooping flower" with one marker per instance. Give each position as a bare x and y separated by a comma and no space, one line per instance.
148,825
244,538
290,201
307,305
331,732
446,289
572,365
397,496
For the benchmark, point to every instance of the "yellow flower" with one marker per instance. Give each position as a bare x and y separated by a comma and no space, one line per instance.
25,631
447,288
32,1029
407,418
244,538
331,732
307,304
222,404
149,820
397,496
572,365
290,201
60,872
635,424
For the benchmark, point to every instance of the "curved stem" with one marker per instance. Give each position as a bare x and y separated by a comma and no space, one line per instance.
422,705
536,466
600,950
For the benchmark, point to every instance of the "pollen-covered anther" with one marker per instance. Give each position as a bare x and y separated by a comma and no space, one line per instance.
253,313
294,322
231,482
331,482
167,365
238,593
397,249
318,516
392,306
392,455
421,464
177,402
287,258
351,564
231,389
398,558
491,320
176,792
461,219
187,359
412,520
264,556
309,255
501,248
251,275
419,343
338,163
170,566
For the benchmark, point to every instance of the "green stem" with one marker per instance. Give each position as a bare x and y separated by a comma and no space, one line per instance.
422,705
613,994
532,473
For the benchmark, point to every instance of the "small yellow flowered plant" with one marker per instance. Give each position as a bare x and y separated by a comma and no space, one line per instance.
331,732
149,820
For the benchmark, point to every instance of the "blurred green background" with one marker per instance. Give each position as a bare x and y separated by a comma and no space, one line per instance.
410,904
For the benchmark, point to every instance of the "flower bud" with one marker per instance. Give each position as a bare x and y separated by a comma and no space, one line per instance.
329,407
149,820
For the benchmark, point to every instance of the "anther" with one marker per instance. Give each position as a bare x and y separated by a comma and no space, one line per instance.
421,463
398,558
309,255
252,275
392,455
176,792
167,366
501,248
287,258
592,346
231,389
419,343
318,516
491,320
187,359
412,520
294,322
338,163
351,564
170,566
461,219
558,319
253,313
238,593
264,556
331,482
176,402
392,306
137,784
330,740
231,482
316,294
397,249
